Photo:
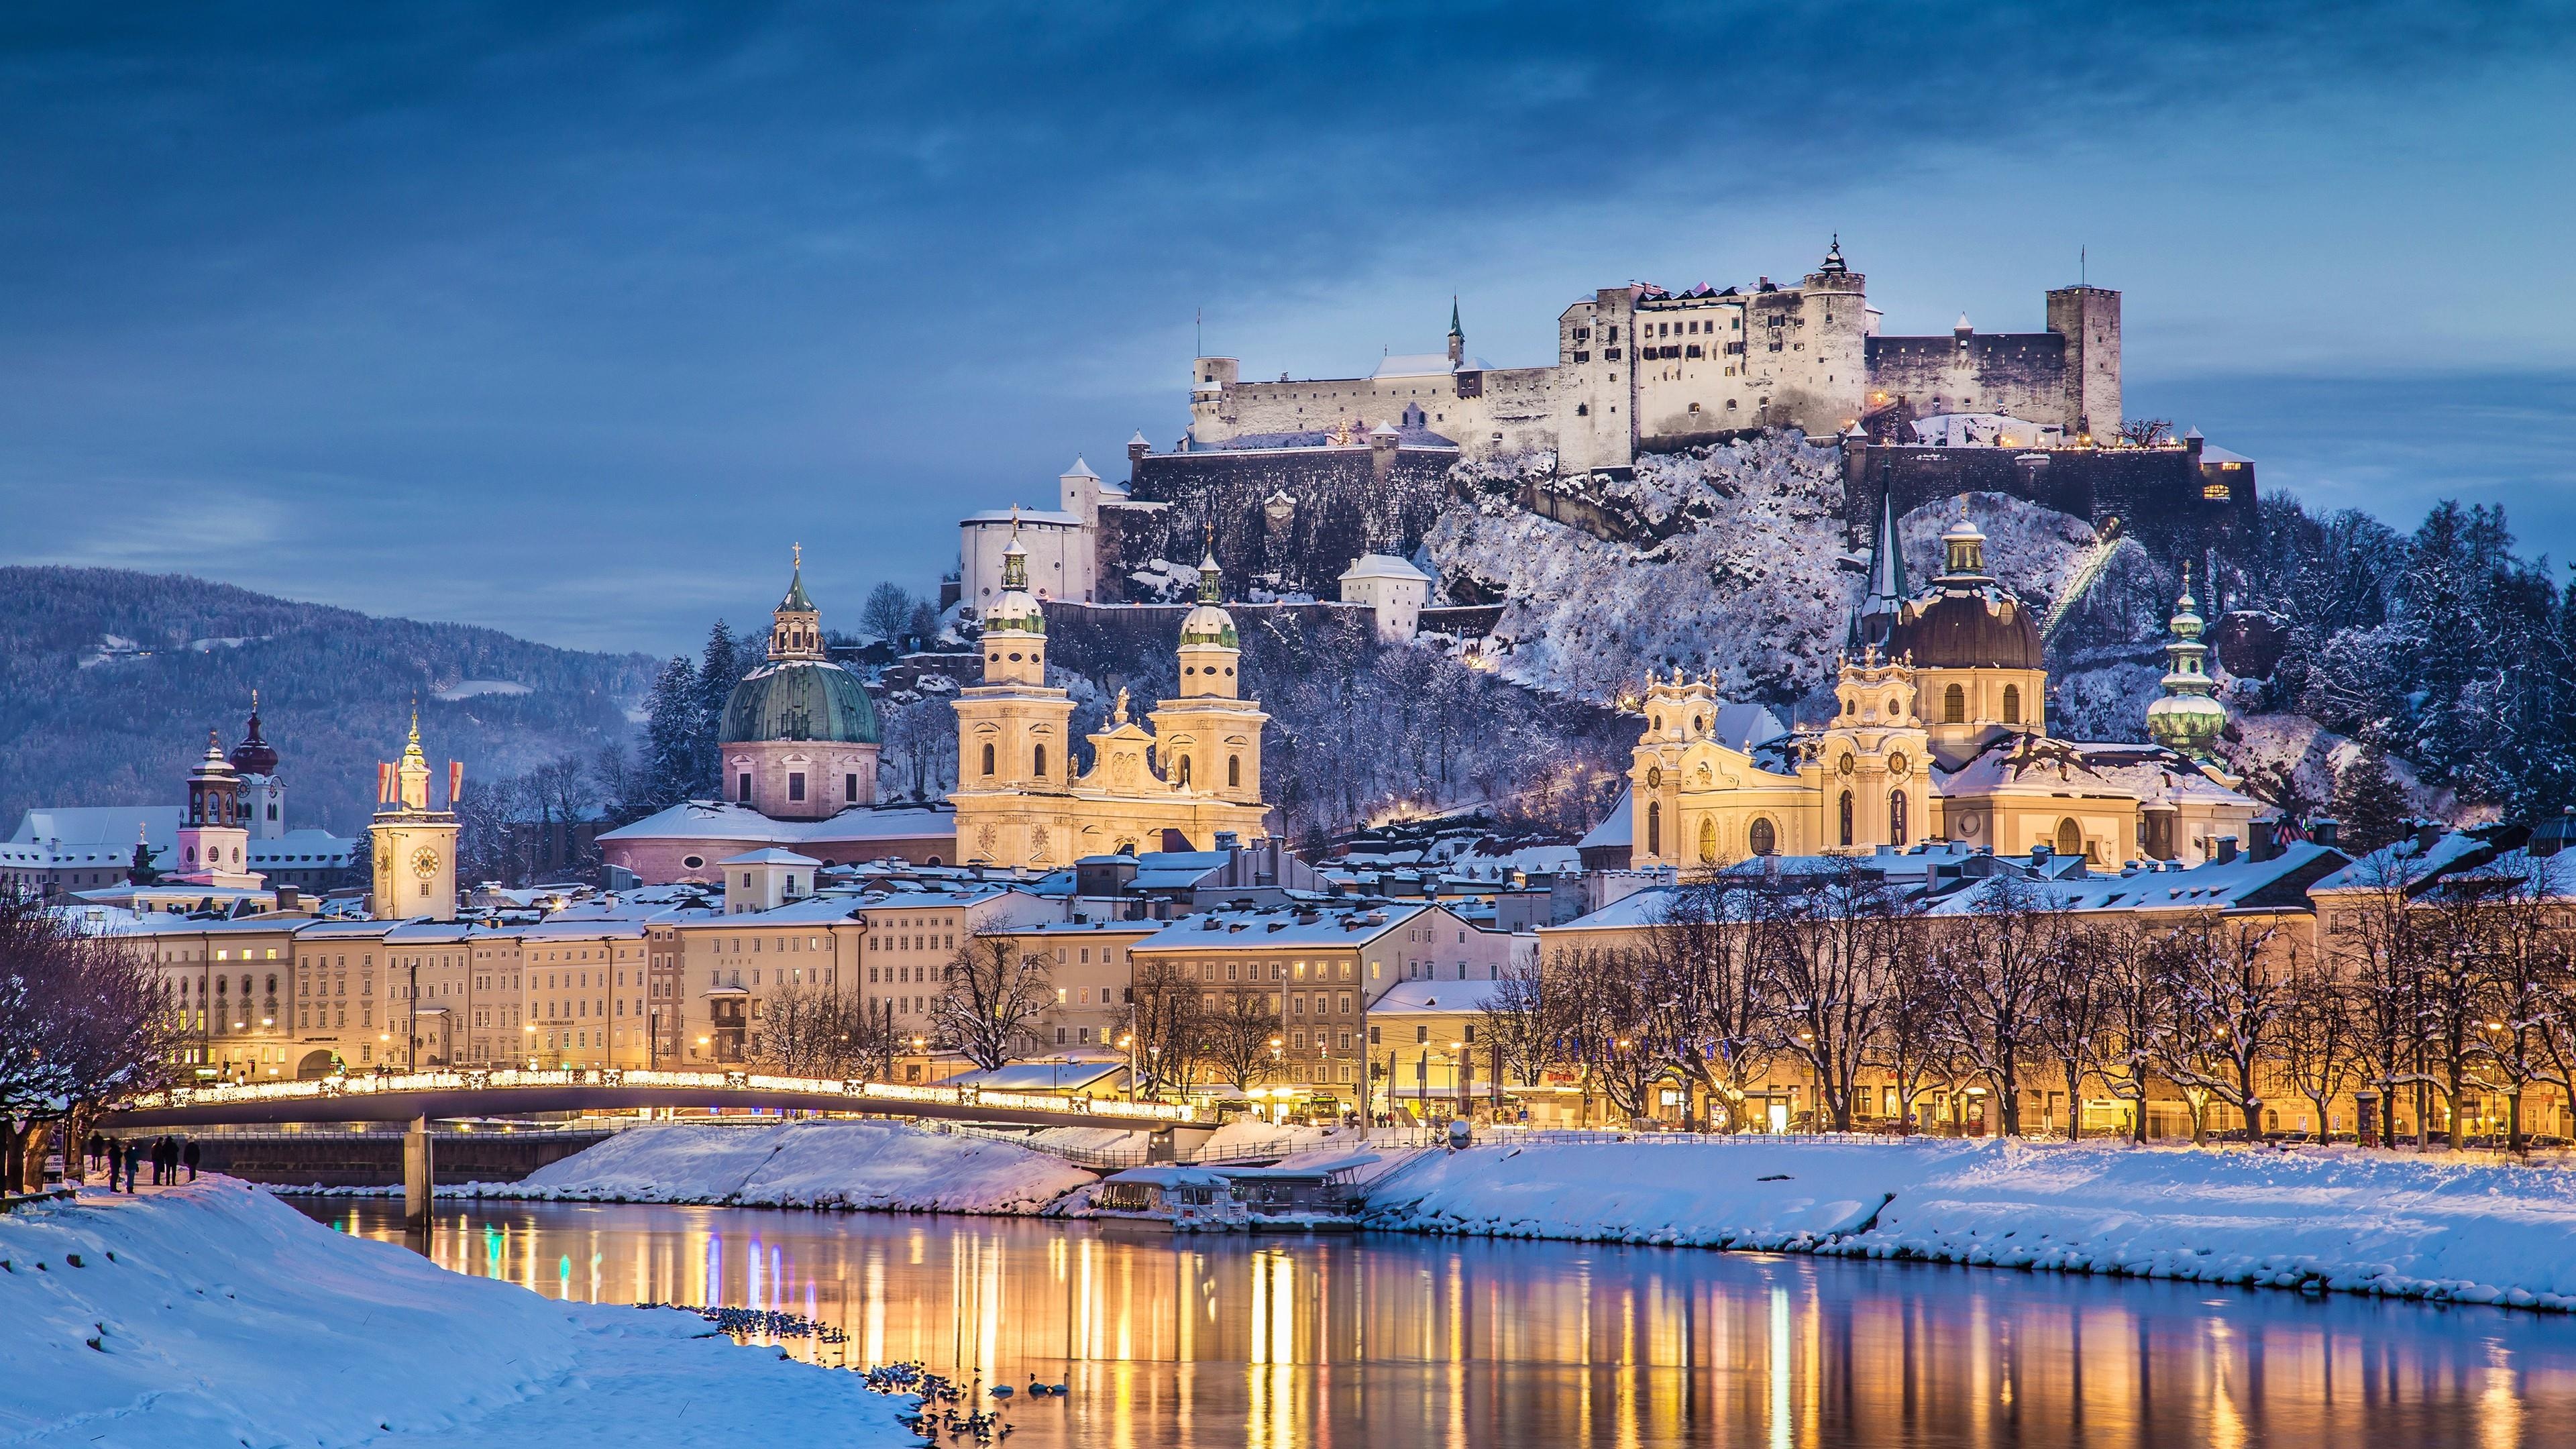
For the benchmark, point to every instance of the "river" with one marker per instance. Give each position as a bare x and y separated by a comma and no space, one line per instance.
1425,1343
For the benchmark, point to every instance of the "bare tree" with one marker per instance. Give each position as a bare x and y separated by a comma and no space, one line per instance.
2228,1002
2318,1055
1914,1044
83,1025
2136,1002
1242,1036
1836,952
1520,1019
2000,955
2529,946
1164,1016
2380,943
991,996
1704,985
2076,1011
2147,432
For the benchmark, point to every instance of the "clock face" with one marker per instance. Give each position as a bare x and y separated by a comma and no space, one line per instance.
424,862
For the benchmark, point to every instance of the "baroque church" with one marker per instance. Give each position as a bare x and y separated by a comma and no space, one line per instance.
1941,732
1190,781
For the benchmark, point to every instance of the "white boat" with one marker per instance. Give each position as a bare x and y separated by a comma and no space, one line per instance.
1169,1199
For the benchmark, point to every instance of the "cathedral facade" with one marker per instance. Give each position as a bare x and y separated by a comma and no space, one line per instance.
1940,732
1189,780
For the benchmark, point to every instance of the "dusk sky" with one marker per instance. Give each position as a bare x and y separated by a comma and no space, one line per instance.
569,319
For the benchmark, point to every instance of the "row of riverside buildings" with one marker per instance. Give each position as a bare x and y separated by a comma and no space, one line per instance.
1148,859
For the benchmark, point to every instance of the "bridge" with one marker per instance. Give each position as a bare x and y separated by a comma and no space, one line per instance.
419,1097
513,1092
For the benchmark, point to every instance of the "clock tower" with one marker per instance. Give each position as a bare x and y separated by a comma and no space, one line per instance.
414,846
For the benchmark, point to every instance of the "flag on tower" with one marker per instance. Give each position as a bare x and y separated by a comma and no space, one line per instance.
384,783
455,781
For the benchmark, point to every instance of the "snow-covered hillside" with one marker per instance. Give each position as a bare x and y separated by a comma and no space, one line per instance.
214,1315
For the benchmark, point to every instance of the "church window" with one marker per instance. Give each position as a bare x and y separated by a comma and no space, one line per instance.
1233,772
1039,755
1708,842
1765,838
795,784
850,787
1655,827
744,781
1843,811
988,759
1954,705
1896,818
1183,769
2070,838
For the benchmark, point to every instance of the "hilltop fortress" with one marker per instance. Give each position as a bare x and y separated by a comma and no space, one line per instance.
1642,370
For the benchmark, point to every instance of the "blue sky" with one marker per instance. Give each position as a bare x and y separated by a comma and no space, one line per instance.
569,319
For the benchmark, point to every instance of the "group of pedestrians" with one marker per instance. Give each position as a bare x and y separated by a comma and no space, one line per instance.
125,1159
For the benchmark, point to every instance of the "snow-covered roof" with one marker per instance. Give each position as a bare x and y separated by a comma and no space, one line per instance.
772,855
65,837
2146,773
1617,828
1427,364
1270,927
1384,566
1435,998
1984,430
1034,517
1081,469
724,820
2212,453
2213,886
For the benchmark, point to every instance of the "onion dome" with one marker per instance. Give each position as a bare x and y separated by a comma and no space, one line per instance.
800,699
1014,609
1967,621
214,766
1209,623
797,601
2187,720
254,755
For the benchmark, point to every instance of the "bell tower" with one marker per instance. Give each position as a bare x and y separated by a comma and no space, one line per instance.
1208,740
1014,735
213,842
263,793
414,846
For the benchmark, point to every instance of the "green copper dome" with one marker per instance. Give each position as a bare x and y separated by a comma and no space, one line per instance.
800,699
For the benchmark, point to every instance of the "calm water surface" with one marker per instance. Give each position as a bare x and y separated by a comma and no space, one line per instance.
1283,1343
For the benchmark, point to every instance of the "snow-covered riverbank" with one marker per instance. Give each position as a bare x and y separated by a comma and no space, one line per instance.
212,1314
874,1166
2332,1219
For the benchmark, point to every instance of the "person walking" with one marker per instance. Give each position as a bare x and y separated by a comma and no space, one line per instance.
169,1160
97,1149
133,1163
190,1154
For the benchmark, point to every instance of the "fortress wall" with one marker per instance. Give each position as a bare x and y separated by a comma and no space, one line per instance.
2158,494
1339,509
2021,373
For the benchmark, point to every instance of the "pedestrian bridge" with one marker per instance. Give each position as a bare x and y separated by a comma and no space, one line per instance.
512,1092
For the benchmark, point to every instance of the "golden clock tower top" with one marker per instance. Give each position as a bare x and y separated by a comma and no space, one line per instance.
414,846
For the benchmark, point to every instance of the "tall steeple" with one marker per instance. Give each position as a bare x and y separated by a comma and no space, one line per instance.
2188,719
1015,624
796,630
1457,336
1886,591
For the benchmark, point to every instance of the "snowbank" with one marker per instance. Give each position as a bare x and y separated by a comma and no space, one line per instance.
214,1315
2324,1219
878,1166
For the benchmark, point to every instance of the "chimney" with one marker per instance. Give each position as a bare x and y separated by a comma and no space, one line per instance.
2226,851
2428,833
2322,830
2267,839
1228,841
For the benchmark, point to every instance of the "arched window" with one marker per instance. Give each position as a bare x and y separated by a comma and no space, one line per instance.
1654,827
1234,772
988,758
1844,811
1896,818
1707,842
1181,771
2012,704
1954,705
1765,838
1040,756
2070,838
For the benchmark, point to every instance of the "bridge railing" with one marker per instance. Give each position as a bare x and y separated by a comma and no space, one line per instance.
877,1095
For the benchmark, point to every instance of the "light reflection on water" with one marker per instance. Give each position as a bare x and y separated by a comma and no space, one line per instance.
1283,1343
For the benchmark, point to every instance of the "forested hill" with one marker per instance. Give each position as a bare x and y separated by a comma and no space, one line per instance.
109,681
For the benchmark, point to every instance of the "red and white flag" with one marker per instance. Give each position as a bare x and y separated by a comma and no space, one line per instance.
384,783
455,781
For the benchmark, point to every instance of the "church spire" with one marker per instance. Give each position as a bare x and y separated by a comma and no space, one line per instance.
1457,335
796,630
2187,720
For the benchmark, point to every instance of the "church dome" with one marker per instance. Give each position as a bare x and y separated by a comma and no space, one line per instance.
1984,629
800,699
254,755
1209,623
